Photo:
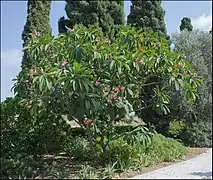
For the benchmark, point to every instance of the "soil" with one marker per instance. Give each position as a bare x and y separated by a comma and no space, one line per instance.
191,152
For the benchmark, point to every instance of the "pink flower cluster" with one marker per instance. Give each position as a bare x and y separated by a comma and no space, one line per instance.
87,122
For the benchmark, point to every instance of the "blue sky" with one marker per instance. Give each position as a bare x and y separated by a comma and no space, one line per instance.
13,18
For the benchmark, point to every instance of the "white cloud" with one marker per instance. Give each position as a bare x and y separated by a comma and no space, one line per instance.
10,67
11,58
203,22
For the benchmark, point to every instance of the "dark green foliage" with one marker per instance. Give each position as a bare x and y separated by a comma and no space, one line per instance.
38,19
104,14
121,152
24,138
135,155
186,24
14,126
62,23
197,133
176,128
148,15
20,132
78,147
166,149
19,166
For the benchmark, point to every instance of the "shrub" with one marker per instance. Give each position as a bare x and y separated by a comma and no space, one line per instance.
109,171
19,166
21,132
197,134
121,153
161,149
176,128
166,149
78,147
87,172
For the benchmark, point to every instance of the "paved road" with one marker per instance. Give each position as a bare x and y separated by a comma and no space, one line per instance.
199,167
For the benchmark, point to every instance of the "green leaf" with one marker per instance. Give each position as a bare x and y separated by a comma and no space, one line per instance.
46,47
85,85
87,104
97,55
193,96
41,83
180,81
77,67
177,85
126,66
119,105
119,70
74,85
111,65
80,85
49,84
35,79
169,69
96,104
130,85
130,91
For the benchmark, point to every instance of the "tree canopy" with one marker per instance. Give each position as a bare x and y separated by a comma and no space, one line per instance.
186,24
103,14
148,15
38,19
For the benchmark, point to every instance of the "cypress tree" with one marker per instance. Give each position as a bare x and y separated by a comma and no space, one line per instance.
38,19
148,15
62,23
186,24
103,14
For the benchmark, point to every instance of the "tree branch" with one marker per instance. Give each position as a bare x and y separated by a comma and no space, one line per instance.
125,133
76,120
148,84
143,108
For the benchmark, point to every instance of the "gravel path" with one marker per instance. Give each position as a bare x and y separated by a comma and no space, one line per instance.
199,167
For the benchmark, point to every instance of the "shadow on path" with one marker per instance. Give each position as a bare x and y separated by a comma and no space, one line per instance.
206,174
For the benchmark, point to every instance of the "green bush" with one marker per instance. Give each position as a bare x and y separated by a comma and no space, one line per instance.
21,132
121,152
78,147
166,149
176,128
137,154
162,149
197,134
19,166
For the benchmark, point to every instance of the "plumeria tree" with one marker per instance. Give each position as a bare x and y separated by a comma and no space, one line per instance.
97,83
